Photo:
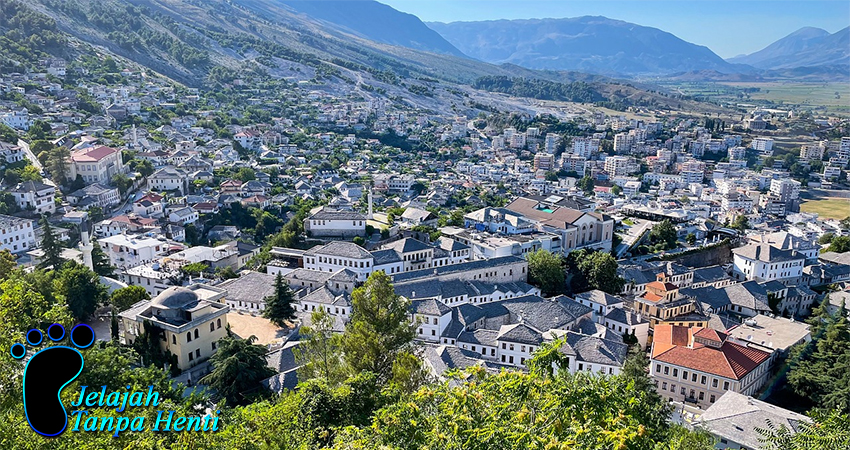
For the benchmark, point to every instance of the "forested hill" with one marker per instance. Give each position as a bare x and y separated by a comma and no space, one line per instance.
578,91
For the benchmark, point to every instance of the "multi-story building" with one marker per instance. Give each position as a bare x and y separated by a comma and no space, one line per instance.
573,163
17,234
764,262
577,229
328,222
192,321
698,365
585,147
544,161
763,145
18,119
812,152
169,179
11,153
35,196
130,251
150,205
617,166
96,164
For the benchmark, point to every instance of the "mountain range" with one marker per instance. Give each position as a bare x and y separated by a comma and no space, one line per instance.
590,43
806,47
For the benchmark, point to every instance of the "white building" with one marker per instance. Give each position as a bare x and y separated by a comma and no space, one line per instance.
130,251
96,164
327,222
763,145
18,119
168,179
17,234
764,262
35,196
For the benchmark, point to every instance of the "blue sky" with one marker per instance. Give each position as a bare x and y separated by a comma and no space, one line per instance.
728,28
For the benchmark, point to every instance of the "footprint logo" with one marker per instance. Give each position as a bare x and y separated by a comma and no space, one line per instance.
48,372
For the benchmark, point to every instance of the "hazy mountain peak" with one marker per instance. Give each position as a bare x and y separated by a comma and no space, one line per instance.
588,43
806,47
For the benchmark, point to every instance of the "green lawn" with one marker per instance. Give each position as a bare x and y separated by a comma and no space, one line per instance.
835,208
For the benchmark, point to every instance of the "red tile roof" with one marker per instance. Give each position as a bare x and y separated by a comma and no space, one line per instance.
731,360
93,154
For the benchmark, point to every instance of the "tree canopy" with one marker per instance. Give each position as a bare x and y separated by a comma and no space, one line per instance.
546,271
280,305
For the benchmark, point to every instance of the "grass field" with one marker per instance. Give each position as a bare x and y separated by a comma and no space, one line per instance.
834,208
780,93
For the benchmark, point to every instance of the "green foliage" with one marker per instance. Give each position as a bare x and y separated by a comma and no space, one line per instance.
380,328
81,288
238,367
663,232
594,270
320,350
691,239
122,299
839,244
585,183
820,370
829,431
194,269
741,223
546,271
280,306
540,89
826,238
100,262
50,246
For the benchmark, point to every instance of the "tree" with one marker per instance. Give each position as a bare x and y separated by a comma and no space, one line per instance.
546,271
826,238
96,214
245,174
741,223
113,325
238,366
839,244
122,299
585,184
50,246
665,232
596,270
57,164
359,241
194,269
8,263
380,328
280,305
122,182
616,190
820,369
319,351
100,262
691,239
81,288
830,431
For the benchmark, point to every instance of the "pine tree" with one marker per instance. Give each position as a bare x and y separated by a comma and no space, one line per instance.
238,367
100,262
50,246
280,305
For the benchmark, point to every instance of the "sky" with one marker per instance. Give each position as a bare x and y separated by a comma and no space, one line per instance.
729,28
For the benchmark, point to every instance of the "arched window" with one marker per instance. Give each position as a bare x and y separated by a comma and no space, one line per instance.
196,333
218,323
189,337
212,327
174,339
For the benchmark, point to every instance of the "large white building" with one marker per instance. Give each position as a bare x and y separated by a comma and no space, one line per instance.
16,234
698,365
168,179
130,251
764,262
763,145
35,196
96,164
328,222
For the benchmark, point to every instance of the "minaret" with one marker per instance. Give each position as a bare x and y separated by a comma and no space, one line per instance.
370,204
85,245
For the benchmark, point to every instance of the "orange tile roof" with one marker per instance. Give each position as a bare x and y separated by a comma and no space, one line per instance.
731,360
93,154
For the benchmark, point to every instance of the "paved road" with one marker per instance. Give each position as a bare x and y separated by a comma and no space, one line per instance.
34,161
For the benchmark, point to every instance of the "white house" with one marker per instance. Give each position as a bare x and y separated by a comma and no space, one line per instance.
168,179
129,251
764,262
96,164
431,318
17,234
35,196
327,222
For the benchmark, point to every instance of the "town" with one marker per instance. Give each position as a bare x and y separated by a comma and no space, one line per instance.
303,220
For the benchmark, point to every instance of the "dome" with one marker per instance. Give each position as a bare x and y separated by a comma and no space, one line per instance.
175,297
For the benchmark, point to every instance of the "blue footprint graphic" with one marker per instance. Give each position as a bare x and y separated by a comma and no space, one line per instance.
48,372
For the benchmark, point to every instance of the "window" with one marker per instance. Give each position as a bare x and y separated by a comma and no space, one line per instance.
190,357
218,323
174,339
725,385
198,353
714,383
196,333
189,337
683,391
694,378
212,327
658,368
666,370
702,395
685,375
702,380
664,386
213,345
675,373
712,398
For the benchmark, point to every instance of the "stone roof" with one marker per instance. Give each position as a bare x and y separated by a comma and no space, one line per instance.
520,333
340,249
595,350
735,417
429,307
